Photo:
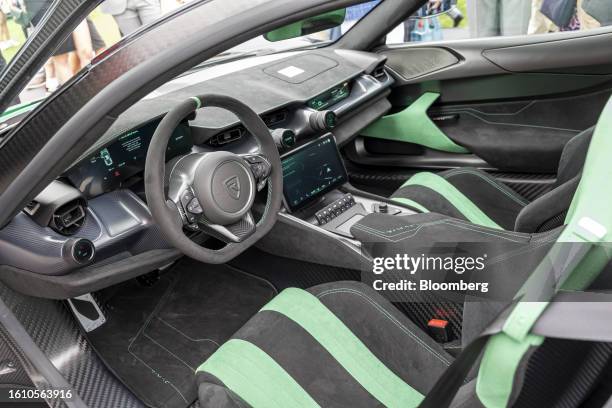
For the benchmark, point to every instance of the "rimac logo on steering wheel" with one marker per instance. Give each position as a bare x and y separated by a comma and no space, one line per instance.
232,185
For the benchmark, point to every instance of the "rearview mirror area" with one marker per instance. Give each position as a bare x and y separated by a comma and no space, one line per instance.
308,26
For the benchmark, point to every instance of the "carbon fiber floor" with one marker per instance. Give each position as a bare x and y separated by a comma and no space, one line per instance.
157,336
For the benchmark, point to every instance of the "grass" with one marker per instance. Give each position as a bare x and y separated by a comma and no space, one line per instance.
16,34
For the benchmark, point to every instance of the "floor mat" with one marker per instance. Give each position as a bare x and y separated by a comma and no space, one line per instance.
155,337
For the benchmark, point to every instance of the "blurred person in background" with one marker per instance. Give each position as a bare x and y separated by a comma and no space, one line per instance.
4,32
132,14
492,18
353,14
562,15
5,36
594,13
424,25
74,53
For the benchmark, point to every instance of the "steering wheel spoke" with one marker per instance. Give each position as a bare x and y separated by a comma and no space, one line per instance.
233,233
260,168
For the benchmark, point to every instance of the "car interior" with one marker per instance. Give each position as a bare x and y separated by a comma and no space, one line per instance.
210,240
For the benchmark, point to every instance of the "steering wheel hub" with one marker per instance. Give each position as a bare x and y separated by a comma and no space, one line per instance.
226,184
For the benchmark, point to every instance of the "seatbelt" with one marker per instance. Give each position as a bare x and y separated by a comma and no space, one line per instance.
581,316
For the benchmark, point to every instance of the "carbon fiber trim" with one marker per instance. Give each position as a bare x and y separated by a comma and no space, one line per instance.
530,186
116,222
549,383
12,371
54,330
379,183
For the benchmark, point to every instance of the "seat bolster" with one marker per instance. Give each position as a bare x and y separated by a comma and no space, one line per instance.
573,156
498,201
552,205
427,198
213,395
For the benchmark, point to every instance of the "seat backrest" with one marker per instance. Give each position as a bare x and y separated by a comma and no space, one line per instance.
548,211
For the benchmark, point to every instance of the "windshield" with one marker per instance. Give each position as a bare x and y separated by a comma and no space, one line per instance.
105,26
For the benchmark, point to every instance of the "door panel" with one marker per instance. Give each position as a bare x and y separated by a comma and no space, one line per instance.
511,102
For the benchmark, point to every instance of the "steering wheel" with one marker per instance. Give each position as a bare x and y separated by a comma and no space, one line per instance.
213,192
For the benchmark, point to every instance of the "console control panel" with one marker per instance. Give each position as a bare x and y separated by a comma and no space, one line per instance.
334,209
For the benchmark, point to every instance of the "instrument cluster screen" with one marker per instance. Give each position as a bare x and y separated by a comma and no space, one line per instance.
123,158
312,171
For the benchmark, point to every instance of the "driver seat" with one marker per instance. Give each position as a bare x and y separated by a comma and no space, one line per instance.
342,344
339,344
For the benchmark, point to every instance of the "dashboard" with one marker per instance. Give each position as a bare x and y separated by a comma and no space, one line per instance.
99,201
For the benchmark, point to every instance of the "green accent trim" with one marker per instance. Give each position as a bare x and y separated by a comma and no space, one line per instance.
307,311
413,125
253,375
503,365
589,220
293,30
410,203
307,26
19,109
197,101
456,197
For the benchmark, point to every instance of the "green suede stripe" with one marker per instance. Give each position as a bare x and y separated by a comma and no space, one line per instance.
410,203
325,327
413,125
454,196
254,376
501,367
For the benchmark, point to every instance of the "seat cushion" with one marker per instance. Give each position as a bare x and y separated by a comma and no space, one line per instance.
335,345
467,193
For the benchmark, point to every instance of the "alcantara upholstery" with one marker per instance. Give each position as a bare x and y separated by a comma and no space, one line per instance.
473,195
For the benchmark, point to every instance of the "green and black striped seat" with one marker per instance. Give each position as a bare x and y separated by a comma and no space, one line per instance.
334,345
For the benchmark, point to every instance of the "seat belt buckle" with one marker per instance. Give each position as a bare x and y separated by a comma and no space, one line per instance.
438,329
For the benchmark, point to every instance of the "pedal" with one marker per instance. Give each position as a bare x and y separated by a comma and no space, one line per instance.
87,311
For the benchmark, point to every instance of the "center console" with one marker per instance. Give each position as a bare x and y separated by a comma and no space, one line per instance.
313,179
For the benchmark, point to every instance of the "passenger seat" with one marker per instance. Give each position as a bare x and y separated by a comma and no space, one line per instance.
473,195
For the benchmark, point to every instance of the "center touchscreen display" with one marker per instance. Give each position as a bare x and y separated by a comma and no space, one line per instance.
311,171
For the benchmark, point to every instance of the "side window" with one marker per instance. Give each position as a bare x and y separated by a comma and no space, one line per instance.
105,26
462,19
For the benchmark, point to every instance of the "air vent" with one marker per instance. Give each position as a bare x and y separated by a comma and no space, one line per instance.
275,118
379,73
227,137
68,218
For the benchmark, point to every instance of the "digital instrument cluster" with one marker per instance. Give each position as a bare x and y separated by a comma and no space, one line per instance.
123,158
